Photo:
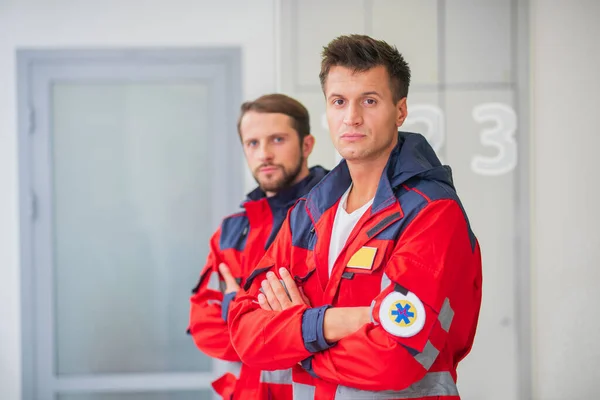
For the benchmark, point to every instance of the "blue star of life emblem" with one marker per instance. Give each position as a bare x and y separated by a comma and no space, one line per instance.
403,313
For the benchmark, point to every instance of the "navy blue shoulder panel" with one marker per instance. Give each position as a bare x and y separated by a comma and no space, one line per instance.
413,197
303,233
411,203
437,190
234,232
434,190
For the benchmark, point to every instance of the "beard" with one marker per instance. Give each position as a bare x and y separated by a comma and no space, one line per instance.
287,178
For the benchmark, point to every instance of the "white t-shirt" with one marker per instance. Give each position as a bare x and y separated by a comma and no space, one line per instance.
343,225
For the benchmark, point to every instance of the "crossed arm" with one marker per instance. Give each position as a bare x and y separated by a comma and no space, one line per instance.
338,322
208,306
274,330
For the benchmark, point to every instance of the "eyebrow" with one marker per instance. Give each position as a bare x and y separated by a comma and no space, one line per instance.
370,93
274,134
334,95
279,134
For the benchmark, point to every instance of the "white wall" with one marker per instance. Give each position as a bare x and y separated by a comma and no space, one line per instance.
566,189
565,138
105,24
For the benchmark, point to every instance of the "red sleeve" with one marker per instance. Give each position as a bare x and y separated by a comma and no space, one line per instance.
429,260
207,327
268,340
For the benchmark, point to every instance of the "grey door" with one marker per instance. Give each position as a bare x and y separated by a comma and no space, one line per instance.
128,161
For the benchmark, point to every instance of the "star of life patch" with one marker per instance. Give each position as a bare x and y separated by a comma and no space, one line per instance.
402,315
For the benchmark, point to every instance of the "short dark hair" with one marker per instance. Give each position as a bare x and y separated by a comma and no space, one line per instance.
361,53
277,103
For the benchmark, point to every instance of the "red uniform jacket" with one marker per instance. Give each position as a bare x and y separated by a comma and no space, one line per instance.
240,242
412,258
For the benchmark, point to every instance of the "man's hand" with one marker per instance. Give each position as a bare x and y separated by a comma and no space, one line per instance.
275,297
339,321
231,285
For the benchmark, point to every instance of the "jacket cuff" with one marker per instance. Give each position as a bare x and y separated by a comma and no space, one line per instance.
225,304
312,329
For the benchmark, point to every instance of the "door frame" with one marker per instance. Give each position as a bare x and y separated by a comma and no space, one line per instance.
36,64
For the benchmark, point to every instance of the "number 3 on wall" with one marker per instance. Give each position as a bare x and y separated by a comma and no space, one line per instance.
501,136
433,118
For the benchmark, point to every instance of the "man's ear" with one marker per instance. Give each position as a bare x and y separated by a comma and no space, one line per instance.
308,143
401,112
